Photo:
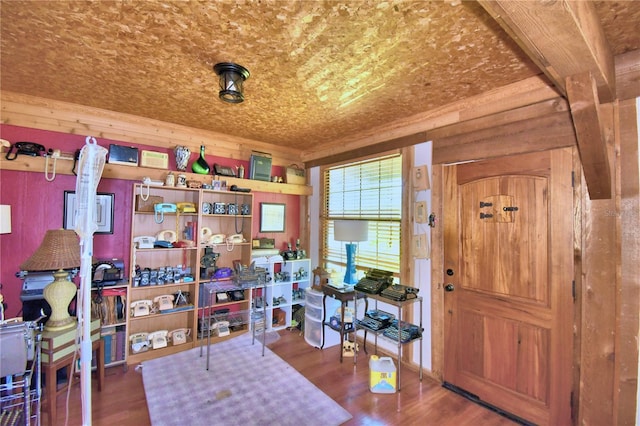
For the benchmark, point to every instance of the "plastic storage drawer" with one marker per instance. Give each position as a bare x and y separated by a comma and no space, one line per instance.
314,297
314,312
313,332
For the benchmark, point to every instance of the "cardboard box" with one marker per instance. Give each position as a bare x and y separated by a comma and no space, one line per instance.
295,175
147,205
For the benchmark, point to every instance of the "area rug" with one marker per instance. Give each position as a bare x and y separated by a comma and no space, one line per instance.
241,388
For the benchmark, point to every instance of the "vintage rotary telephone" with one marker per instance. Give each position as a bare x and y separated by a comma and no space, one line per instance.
158,339
144,241
25,148
179,336
160,209
164,302
141,308
139,342
186,207
222,328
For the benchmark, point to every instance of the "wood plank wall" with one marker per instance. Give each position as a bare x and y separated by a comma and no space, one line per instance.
607,277
606,327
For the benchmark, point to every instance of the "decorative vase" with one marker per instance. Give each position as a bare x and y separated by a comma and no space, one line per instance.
200,166
182,157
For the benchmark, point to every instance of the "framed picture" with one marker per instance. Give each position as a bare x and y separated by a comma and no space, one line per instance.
103,213
272,217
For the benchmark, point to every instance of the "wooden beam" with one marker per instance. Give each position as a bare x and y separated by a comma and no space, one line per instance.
401,142
562,37
518,137
628,75
583,100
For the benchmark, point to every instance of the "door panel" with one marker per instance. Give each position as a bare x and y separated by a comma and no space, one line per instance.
508,237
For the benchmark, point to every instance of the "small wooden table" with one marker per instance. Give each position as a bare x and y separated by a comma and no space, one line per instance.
58,348
344,296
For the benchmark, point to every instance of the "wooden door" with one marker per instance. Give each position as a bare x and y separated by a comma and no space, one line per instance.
508,289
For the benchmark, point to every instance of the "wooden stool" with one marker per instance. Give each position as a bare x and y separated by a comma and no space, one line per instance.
57,352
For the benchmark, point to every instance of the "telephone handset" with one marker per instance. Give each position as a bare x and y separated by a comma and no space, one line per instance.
186,207
179,336
217,239
141,308
161,208
25,148
139,342
144,242
222,328
235,239
164,302
158,339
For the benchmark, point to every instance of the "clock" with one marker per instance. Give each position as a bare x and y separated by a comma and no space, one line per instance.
320,278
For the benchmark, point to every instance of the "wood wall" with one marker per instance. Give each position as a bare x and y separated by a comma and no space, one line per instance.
607,231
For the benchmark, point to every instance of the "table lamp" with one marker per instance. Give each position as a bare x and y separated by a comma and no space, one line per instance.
60,249
351,231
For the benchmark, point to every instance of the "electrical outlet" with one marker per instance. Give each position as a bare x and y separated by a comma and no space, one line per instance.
421,247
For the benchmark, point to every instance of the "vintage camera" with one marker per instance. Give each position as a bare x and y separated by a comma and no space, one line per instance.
245,209
232,209
219,208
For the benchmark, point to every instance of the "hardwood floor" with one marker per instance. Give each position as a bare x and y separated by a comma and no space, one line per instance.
122,400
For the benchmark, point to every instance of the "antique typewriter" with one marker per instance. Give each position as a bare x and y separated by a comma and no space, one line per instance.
399,292
374,281
376,320
406,331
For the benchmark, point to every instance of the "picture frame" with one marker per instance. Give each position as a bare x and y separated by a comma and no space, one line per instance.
272,217
103,212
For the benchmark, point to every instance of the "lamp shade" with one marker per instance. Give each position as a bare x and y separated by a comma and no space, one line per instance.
60,249
350,230
5,219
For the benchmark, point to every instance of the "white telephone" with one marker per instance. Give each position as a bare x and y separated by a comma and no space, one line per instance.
222,328
235,239
144,242
167,235
141,308
205,235
158,339
179,336
139,342
164,302
217,239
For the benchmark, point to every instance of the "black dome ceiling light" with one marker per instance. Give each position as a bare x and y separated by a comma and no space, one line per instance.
231,78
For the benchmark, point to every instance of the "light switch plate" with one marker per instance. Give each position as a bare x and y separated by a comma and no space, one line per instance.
420,212
420,178
421,247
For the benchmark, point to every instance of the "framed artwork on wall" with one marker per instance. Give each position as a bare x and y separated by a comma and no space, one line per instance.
103,213
272,217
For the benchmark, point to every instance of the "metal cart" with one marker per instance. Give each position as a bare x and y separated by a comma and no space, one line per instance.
20,386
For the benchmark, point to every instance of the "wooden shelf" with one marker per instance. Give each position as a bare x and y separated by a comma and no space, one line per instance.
25,163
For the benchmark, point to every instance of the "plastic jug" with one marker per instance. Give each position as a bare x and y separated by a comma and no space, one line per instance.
382,375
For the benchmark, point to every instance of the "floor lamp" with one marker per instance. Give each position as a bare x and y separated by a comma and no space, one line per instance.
350,231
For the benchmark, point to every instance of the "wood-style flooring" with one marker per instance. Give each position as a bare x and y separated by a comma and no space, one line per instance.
122,400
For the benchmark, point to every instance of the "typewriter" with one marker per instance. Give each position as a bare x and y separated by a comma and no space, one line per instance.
404,331
399,292
376,320
374,281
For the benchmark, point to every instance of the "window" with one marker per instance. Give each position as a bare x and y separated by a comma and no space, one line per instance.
369,190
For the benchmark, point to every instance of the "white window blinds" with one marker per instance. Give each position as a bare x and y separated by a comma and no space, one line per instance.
369,190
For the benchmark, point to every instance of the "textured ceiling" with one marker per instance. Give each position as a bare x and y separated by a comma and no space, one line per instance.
320,71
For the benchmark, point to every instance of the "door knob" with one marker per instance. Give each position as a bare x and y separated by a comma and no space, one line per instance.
449,287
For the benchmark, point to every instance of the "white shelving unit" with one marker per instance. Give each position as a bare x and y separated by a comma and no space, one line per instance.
284,290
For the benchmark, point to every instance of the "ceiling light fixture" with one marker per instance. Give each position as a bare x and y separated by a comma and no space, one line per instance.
231,78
